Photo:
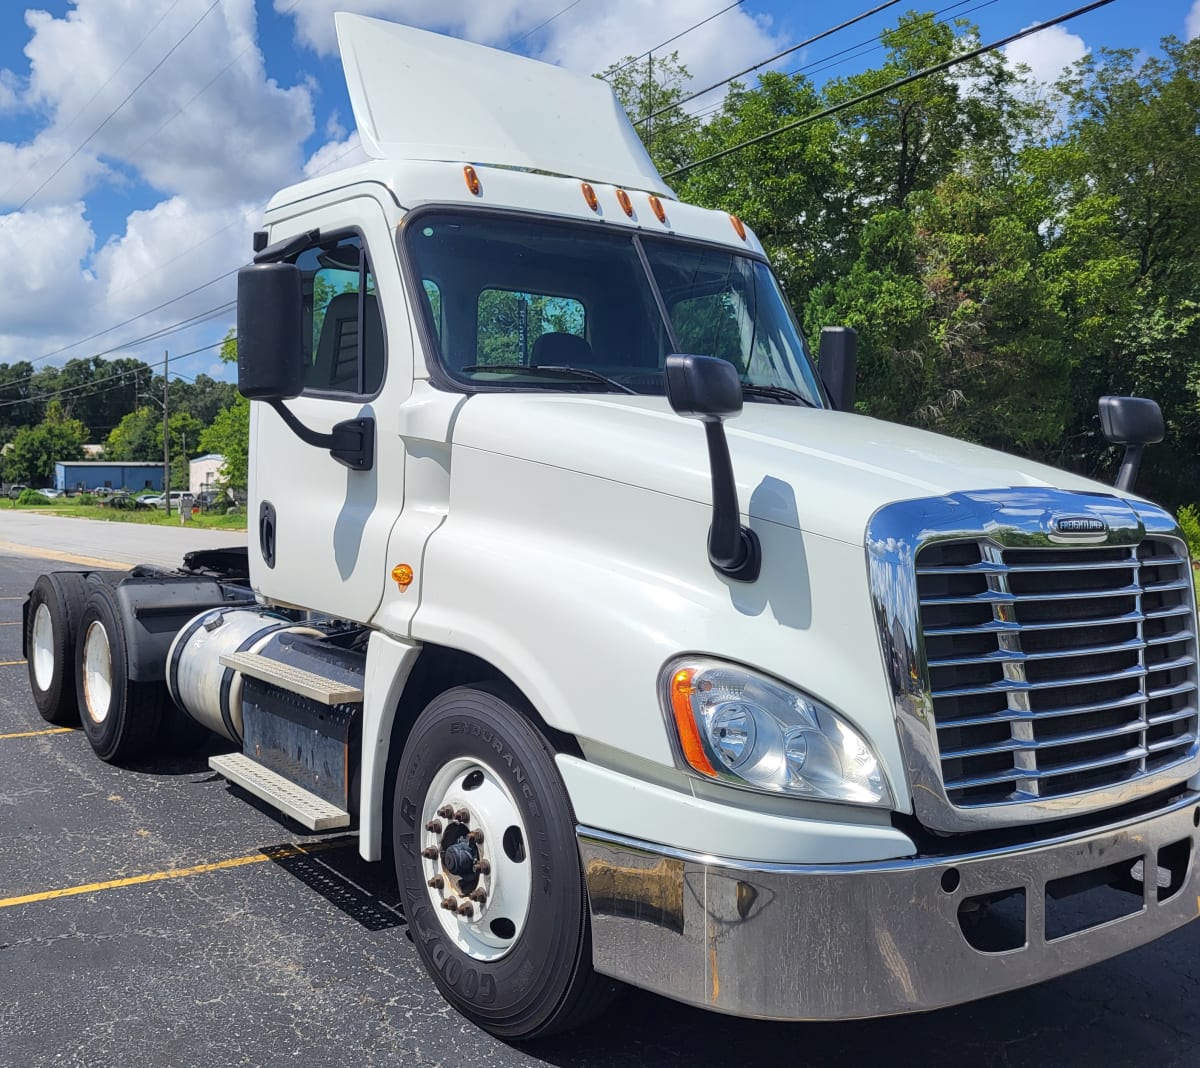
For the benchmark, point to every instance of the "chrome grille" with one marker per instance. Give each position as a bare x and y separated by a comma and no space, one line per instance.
1057,671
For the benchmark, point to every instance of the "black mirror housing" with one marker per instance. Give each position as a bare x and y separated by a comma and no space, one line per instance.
703,387
269,323
837,363
1131,420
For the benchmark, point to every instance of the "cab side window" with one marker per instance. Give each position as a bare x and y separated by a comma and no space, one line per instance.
344,345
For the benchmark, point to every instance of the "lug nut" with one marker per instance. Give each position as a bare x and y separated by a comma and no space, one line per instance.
478,894
430,853
466,909
475,836
446,812
463,816
450,904
437,882
483,867
434,826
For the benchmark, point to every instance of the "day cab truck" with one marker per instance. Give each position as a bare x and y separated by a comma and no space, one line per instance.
572,586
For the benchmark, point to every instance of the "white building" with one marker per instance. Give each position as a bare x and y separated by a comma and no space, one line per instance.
205,471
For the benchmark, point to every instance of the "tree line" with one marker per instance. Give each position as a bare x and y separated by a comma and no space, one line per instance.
1008,251
49,415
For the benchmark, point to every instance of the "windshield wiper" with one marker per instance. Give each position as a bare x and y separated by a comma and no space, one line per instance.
582,372
779,393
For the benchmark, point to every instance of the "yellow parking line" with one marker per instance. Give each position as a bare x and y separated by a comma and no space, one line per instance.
12,663
10,623
62,557
271,853
34,734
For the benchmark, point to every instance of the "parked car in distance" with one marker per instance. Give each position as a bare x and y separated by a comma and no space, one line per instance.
179,499
51,492
124,500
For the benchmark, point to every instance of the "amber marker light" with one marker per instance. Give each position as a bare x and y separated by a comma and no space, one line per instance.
589,196
685,723
473,182
402,576
660,212
738,226
625,202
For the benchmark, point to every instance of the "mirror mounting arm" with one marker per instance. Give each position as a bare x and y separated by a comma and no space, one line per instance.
351,442
733,550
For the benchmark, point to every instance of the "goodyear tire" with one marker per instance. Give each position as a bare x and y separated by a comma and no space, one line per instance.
120,718
482,820
52,620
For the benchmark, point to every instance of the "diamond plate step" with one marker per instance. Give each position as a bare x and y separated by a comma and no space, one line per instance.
305,808
293,679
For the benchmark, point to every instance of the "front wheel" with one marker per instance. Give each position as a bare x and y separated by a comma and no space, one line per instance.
489,869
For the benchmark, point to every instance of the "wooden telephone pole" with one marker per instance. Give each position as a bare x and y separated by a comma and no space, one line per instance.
166,436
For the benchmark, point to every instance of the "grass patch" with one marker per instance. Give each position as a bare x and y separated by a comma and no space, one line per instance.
70,506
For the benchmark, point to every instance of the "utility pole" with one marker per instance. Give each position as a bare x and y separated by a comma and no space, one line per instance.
166,436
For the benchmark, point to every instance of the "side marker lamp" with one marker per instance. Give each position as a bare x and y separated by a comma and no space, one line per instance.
402,576
589,196
473,182
625,202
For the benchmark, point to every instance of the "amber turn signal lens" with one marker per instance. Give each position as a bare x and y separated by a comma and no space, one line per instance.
402,576
473,182
738,226
589,196
685,722
659,211
625,202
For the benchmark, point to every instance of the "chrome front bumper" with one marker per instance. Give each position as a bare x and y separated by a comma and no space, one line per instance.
792,942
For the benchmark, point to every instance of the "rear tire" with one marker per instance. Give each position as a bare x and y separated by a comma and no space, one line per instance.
520,965
120,718
55,606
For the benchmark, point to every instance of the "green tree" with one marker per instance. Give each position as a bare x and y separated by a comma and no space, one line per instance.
35,450
229,433
138,436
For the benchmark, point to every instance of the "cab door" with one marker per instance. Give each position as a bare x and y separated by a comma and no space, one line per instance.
318,529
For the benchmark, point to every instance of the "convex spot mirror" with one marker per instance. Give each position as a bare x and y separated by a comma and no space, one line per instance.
269,322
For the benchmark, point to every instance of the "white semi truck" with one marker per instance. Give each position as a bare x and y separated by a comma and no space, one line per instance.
811,717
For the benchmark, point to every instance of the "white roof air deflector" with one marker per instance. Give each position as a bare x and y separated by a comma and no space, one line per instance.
420,95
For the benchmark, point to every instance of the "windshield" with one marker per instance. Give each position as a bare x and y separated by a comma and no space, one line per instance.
524,304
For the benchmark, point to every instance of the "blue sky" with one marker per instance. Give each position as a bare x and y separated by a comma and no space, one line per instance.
116,198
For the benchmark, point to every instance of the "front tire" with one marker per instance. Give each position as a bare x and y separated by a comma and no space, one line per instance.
482,817
120,718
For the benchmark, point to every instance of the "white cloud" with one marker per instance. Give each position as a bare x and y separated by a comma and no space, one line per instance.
334,156
208,124
1192,24
1047,53
45,293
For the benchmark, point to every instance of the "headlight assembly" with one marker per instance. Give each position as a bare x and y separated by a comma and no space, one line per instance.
738,726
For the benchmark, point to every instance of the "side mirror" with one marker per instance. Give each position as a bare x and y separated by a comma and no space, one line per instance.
708,388
269,321
1134,422
837,363
703,387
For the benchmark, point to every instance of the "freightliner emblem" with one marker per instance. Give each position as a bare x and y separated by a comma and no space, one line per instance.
1078,528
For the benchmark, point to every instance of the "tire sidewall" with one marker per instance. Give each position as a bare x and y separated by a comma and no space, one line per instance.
104,737
520,992
63,596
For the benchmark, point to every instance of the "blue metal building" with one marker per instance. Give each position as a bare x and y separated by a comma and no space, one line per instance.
74,475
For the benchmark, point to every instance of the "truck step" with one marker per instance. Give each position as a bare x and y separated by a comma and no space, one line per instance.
295,680
304,807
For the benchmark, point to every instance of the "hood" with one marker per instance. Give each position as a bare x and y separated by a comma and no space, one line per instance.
821,471
424,96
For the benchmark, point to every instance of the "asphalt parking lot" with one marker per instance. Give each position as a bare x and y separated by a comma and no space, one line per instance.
151,915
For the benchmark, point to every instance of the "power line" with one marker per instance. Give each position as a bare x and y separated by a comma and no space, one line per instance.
671,40
870,44
120,67
770,59
542,25
112,114
833,109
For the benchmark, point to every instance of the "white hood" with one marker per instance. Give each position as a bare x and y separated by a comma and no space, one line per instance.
821,471
423,96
